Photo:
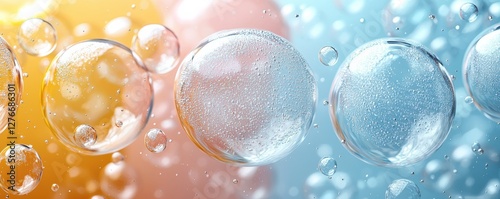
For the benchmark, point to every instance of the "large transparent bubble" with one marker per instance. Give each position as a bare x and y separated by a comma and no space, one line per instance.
482,73
392,103
12,84
245,97
96,98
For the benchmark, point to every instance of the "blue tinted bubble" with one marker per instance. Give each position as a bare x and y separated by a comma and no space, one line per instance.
482,74
327,166
392,103
402,189
468,12
234,98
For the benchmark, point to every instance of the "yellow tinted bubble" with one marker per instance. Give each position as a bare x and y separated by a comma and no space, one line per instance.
88,89
11,84
21,169
37,37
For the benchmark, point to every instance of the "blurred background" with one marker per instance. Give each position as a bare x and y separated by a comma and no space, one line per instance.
455,170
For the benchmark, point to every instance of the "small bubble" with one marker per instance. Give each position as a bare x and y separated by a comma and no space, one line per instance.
25,74
85,135
119,123
326,103
235,181
455,171
117,157
155,140
476,148
469,100
37,37
54,187
132,6
468,12
432,17
446,157
457,27
158,47
296,16
315,125
362,20
452,77
328,56
327,166
490,17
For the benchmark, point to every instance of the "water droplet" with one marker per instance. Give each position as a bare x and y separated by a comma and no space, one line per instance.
117,157
476,148
327,166
373,87
468,12
37,37
402,188
28,169
54,187
223,131
158,48
469,100
328,56
85,135
155,140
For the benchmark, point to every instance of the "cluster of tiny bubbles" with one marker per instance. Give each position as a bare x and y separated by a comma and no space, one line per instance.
481,73
476,148
27,172
10,73
158,48
402,188
408,19
340,186
37,37
327,166
328,56
96,97
212,90
392,103
119,180
468,12
155,140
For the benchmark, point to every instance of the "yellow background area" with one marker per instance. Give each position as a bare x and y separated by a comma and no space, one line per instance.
62,165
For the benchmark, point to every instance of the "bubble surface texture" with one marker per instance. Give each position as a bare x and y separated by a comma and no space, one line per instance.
482,74
235,98
392,103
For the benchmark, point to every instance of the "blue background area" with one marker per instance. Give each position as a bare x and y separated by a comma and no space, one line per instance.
452,171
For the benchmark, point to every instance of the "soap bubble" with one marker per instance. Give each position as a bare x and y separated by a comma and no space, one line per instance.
27,172
155,140
392,103
117,157
54,187
37,37
327,166
88,88
468,12
10,92
158,48
402,188
85,135
328,56
481,72
234,98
